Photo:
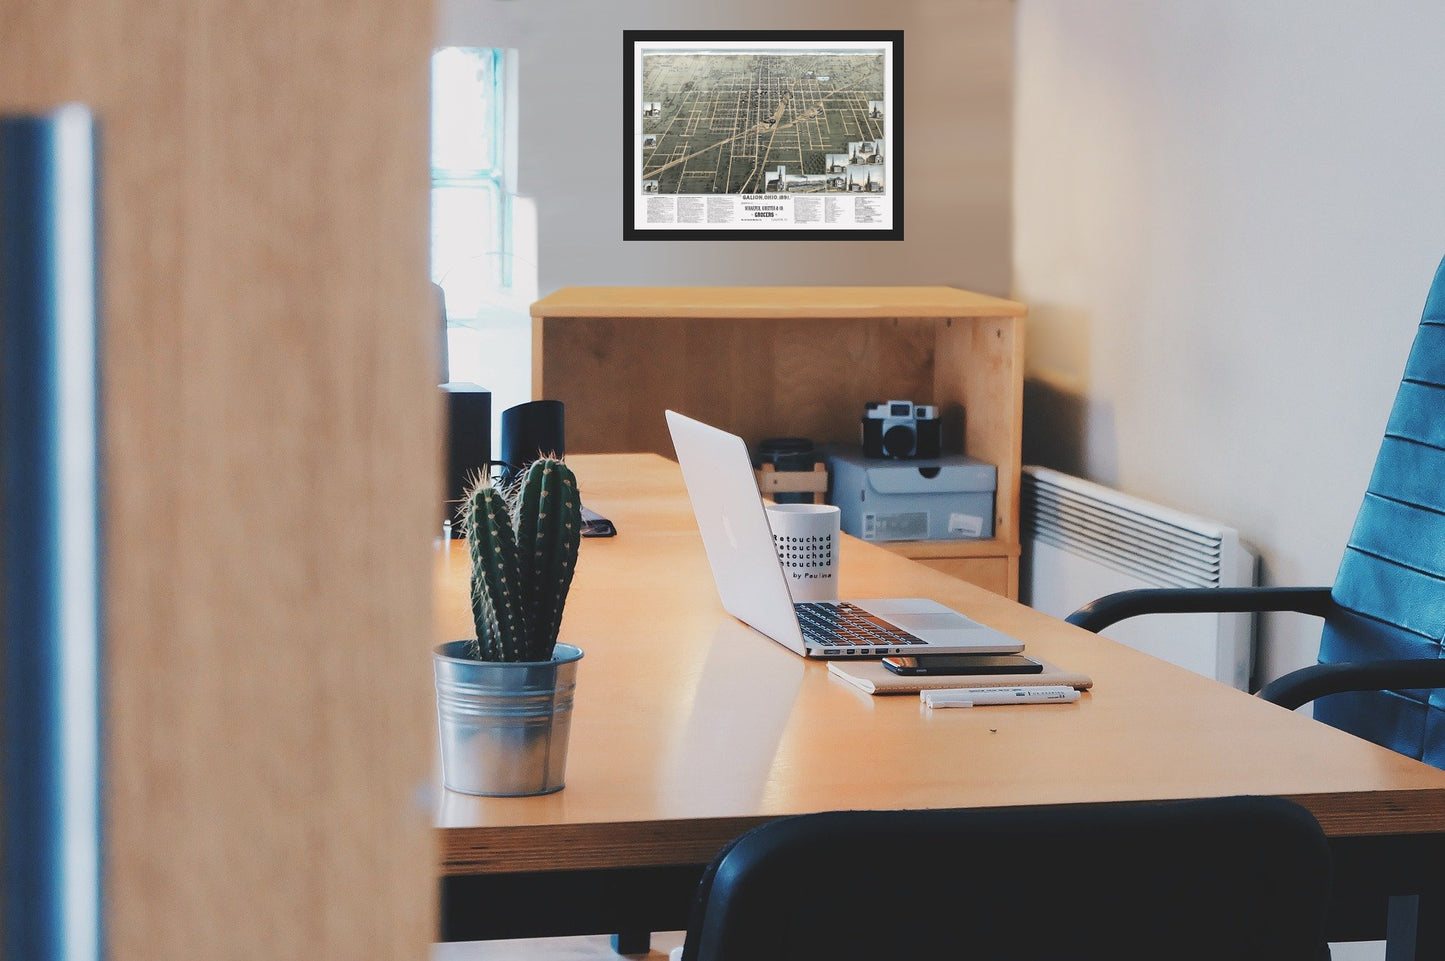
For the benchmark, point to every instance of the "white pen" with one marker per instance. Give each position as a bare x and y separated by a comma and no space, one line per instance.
982,696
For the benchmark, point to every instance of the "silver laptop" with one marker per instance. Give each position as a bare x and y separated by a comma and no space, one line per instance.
754,588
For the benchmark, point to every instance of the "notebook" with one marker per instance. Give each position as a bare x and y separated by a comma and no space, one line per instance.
753,587
873,677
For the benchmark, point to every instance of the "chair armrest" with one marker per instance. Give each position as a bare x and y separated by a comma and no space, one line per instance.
1304,685
1099,614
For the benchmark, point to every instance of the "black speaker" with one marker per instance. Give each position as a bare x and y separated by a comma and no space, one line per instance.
469,442
530,431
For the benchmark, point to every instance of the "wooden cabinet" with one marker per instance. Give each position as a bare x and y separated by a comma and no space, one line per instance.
978,562
795,361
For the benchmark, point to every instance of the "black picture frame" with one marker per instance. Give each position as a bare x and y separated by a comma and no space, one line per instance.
853,191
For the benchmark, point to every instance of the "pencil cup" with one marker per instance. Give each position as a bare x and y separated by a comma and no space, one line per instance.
806,537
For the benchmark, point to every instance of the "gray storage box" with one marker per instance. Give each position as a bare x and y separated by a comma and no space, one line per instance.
947,498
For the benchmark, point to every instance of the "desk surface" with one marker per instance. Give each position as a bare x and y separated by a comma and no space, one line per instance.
689,727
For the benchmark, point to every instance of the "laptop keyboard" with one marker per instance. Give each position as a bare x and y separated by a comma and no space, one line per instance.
845,626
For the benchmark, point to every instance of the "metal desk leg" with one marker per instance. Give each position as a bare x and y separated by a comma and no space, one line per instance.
1416,928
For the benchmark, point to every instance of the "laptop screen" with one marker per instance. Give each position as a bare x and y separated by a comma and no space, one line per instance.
734,527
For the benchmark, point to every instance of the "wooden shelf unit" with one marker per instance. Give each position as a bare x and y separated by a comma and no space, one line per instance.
795,361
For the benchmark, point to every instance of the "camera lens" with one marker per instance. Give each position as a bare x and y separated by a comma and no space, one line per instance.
899,440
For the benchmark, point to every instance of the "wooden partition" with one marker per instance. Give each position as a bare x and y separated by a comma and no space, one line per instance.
794,361
271,465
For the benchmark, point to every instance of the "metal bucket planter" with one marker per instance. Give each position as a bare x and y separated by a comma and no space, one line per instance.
504,726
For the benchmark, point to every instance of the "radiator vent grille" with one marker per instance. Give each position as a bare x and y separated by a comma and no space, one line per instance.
1161,547
1082,541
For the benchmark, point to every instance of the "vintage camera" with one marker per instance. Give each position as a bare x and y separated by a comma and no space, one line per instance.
901,429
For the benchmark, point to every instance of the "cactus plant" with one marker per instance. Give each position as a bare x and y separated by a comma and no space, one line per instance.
523,544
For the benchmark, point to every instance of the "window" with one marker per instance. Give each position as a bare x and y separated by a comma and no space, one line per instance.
468,201
479,224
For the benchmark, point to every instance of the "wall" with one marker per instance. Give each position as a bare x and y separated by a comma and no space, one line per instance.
958,72
1227,216
271,447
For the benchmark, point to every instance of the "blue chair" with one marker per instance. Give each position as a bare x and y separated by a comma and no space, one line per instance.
1381,665
1241,878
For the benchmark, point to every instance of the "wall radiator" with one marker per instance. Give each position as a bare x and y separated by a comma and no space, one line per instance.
1082,541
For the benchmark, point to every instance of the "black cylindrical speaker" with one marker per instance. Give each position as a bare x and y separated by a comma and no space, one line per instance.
469,442
530,431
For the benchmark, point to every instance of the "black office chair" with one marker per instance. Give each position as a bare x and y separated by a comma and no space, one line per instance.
1381,650
1238,878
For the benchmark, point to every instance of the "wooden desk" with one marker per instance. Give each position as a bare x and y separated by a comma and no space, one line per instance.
690,728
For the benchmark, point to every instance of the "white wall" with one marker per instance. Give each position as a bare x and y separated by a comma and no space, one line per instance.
1224,219
1227,216
958,68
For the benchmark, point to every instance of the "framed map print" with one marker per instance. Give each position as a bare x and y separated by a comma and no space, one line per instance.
745,135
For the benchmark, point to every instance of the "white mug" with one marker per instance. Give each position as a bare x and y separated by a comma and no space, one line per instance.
806,538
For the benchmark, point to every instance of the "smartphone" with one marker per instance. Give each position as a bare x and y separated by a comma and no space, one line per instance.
595,525
913,666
